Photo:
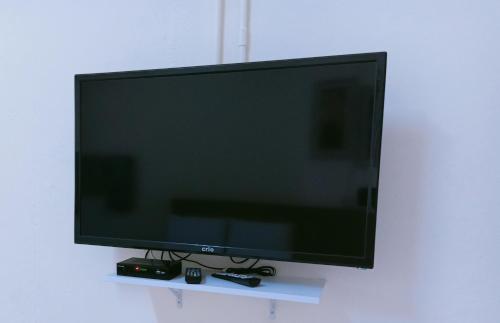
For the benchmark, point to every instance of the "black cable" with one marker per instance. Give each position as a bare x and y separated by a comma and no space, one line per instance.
256,261
261,270
181,257
170,253
238,261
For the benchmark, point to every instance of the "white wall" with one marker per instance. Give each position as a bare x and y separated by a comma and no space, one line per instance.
437,255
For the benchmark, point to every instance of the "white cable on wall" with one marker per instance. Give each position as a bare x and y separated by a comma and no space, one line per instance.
244,30
221,5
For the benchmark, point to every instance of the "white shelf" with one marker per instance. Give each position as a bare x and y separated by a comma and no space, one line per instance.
302,290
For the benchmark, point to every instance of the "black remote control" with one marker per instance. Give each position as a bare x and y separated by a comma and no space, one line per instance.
246,280
193,275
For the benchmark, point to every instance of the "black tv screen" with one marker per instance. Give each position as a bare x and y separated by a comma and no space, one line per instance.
274,160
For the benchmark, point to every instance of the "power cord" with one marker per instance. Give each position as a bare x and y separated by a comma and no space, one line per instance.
261,270
238,261
150,252
185,258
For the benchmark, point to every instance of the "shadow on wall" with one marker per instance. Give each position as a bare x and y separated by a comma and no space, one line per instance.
388,292
389,289
399,221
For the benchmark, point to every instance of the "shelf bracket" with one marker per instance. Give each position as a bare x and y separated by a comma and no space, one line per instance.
178,295
272,309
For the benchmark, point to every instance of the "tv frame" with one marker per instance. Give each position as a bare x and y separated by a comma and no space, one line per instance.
380,58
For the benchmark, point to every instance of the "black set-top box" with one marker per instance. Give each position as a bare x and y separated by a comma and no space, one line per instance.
149,268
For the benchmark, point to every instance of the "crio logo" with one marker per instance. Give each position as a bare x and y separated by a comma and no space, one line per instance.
207,249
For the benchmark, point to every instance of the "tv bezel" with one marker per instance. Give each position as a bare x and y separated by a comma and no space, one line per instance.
367,261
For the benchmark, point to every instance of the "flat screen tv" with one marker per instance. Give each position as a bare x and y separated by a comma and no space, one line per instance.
274,160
